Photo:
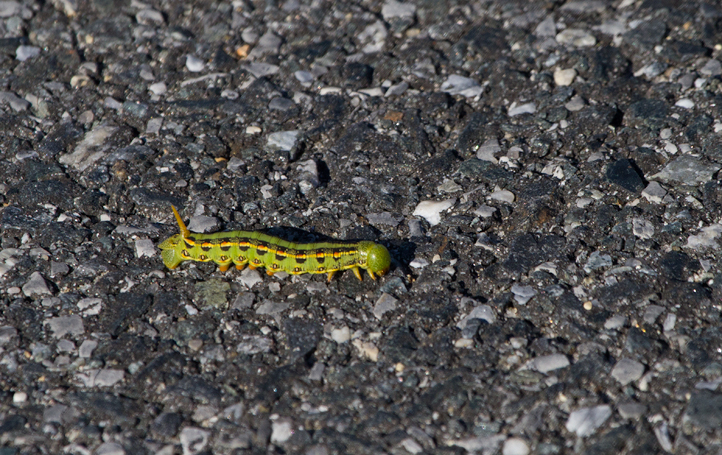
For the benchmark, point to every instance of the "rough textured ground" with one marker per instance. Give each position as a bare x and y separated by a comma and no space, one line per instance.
545,175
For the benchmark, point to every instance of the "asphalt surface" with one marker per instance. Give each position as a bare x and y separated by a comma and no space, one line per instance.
544,174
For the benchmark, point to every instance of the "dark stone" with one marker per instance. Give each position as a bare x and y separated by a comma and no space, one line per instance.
421,146
246,188
197,388
650,113
639,342
438,393
274,384
184,170
648,160
646,35
130,307
606,64
699,127
473,167
12,423
223,61
260,93
400,345
490,42
91,202
697,351
705,409
613,441
625,174
59,193
116,408
38,170
131,153
354,137
678,265
475,133
302,336
692,294
624,289
684,51
167,424
153,199
528,250
312,51
59,140
357,75
62,233
593,119
15,217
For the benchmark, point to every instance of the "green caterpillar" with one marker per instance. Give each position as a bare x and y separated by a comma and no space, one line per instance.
262,250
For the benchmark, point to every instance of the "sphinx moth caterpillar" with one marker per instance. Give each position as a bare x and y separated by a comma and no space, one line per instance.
257,249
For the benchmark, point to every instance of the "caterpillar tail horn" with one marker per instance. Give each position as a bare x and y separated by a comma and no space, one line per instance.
183,229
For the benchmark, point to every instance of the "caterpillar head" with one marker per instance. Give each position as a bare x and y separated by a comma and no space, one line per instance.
169,252
378,259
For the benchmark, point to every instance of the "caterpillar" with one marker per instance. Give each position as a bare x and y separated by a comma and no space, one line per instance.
257,249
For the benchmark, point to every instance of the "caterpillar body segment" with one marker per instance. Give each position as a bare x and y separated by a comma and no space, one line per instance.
258,249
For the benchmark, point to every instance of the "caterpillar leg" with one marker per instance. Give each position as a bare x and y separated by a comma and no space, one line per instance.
269,272
240,266
223,267
371,274
357,272
330,275
252,267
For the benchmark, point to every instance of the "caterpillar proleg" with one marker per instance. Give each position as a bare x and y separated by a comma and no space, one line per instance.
258,249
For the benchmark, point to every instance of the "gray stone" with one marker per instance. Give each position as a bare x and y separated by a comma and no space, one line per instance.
23,53
585,421
576,37
36,285
460,85
522,294
654,192
711,68
65,325
271,308
596,261
7,333
194,440
9,8
110,448
283,140
383,305
144,248
204,224
632,410
393,9
688,170
91,149
705,410
527,108
15,102
384,218
254,344
627,370
547,363
86,349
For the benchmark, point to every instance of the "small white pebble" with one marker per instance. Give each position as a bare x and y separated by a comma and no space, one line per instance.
341,335
20,397
685,103
194,64
158,88
565,77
